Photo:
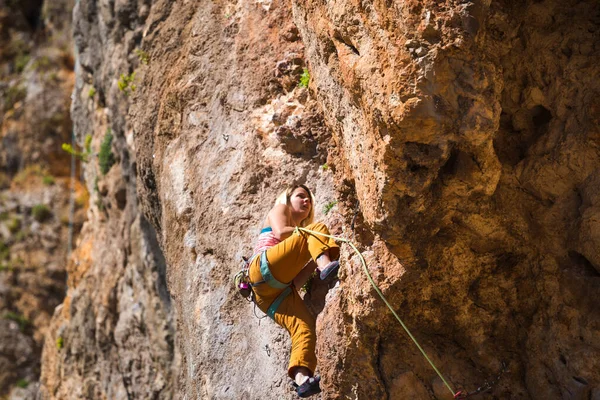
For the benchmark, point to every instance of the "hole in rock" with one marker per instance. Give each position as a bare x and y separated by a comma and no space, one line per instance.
416,167
121,198
460,165
451,165
580,380
33,14
31,11
581,265
541,116
338,36
327,48
354,49
508,261
563,359
512,144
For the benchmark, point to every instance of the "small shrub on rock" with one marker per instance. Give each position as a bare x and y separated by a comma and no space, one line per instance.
4,251
106,158
327,207
41,212
15,225
304,78
22,383
143,56
126,84
23,322
13,95
48,180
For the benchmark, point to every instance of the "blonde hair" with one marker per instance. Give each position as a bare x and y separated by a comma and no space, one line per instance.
284,198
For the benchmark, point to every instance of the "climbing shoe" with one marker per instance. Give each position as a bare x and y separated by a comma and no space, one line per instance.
329,269
310,387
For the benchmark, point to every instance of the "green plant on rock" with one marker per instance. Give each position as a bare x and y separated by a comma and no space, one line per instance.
88,144
21,61
20,236
22,383
304,78
100,205
325,167
42,63
15,225
126,84
78,154
91,92
48,180
4,251
106,158
143,56
327,207
23,322
84,156
13,95
52,77
306,287
60,342
41,212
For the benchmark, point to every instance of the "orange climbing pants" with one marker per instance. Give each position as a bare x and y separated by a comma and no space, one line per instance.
286,260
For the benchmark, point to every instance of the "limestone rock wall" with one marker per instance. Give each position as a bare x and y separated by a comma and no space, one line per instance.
113,336
220,128
459,123
40,207
466,132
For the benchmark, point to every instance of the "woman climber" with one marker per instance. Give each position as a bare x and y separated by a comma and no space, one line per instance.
282,261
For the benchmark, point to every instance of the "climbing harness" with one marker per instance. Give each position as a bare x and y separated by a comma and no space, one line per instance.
268,277
244,286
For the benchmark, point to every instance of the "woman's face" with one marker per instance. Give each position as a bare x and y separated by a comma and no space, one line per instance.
300,202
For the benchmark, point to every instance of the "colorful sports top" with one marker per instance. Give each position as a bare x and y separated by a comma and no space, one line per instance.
266,239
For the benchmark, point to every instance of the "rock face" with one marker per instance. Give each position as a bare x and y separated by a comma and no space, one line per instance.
112,337
41,208
220,127
467,133
470,136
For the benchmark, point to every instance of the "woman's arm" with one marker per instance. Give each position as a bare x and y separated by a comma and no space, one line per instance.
279,221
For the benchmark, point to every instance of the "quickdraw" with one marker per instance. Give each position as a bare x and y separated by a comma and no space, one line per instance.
487,385
242,280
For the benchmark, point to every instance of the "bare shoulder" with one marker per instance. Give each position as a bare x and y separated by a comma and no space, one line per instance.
279,210
279,213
